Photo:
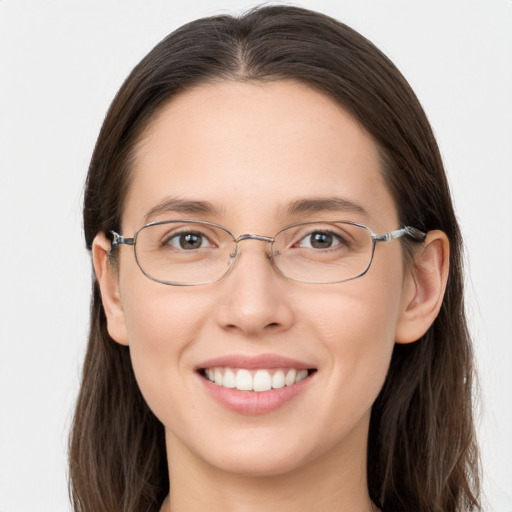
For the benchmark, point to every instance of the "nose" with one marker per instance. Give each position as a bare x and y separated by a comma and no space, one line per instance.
256,297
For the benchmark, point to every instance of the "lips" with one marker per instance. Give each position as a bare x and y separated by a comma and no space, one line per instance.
254,384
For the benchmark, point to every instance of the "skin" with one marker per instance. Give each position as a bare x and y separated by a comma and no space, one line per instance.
252,150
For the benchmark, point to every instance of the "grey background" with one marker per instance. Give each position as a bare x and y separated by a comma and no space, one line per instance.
61,62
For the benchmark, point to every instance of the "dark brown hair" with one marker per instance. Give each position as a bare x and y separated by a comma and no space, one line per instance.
421,449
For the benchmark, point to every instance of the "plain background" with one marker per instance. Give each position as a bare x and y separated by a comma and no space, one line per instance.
61,63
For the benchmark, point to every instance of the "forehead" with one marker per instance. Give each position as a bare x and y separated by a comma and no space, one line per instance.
251,150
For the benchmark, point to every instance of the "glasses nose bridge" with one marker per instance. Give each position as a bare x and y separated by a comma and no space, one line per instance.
250,236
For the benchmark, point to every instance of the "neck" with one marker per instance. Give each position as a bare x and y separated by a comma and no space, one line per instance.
333,482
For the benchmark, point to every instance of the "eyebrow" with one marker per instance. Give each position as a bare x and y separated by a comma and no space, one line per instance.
324,204
177,205
298,207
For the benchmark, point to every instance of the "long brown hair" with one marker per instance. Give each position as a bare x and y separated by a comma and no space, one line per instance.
422,454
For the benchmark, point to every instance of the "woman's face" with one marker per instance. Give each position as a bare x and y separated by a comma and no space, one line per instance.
253,152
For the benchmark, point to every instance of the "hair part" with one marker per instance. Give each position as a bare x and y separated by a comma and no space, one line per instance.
422,454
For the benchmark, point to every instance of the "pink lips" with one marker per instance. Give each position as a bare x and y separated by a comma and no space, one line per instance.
253,362
250,402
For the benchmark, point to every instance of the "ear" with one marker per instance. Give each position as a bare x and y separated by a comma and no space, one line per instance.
107,277
424,288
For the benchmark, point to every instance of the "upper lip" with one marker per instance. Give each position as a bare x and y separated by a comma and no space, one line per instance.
254,362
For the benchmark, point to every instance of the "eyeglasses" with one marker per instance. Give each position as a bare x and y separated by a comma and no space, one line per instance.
191,252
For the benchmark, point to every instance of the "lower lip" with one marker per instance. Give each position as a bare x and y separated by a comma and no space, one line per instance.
252,402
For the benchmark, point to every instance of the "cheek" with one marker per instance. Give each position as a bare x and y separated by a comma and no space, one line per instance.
366,309
162,323
356,325
360,340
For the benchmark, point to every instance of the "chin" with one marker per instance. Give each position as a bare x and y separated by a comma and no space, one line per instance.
266,452
261,464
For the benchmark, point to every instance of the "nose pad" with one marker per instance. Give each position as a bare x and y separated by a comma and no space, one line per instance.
235,254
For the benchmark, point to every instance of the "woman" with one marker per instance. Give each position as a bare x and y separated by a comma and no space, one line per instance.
277,317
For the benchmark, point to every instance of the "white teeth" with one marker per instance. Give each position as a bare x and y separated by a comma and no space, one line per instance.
278,379
262,381
259,380
243,380
229,380
290,377
301,375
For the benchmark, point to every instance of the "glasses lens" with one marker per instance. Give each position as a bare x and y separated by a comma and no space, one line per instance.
323,252
180,252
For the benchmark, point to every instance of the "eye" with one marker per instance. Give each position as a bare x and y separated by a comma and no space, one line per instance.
187,241
320,240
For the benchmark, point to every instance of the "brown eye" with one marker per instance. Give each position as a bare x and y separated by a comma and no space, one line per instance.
188,241
320,240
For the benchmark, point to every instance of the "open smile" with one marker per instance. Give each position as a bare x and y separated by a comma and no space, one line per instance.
255,384
258,380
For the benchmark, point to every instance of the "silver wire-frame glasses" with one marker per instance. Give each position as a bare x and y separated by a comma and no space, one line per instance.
192,252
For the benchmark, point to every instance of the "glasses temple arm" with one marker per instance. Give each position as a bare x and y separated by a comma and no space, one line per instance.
409,231
118,240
